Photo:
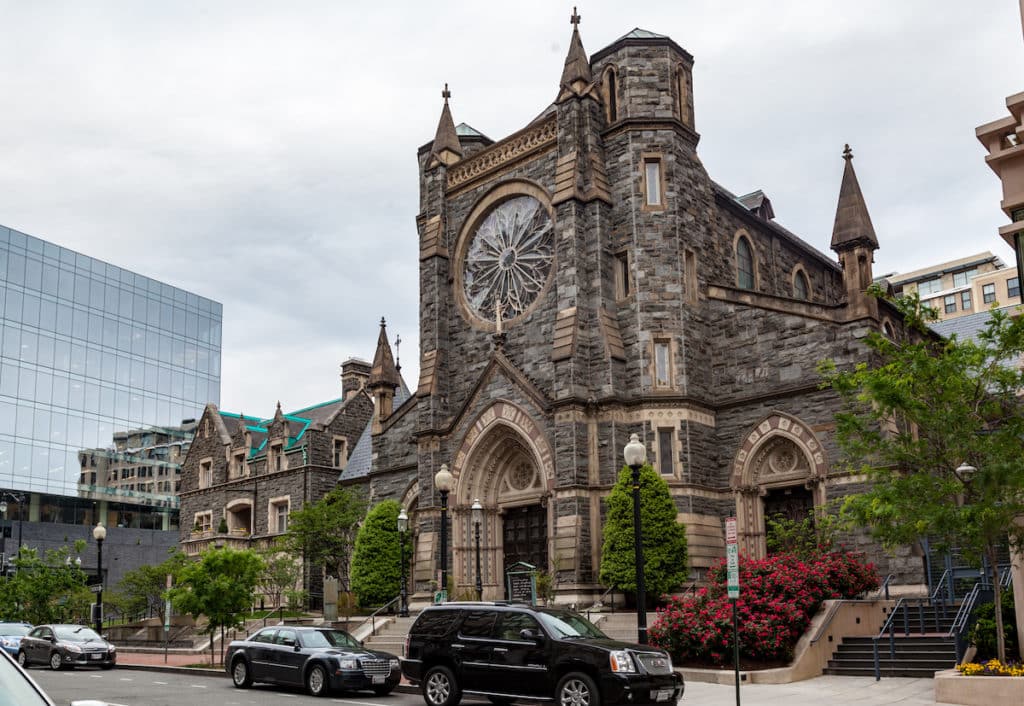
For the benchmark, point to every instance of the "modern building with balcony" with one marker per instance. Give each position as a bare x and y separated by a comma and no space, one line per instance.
961,287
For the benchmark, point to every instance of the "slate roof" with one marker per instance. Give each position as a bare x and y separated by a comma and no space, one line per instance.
638,33
464,130
360,460
966,327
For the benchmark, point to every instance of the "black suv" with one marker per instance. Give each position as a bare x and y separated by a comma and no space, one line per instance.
508,651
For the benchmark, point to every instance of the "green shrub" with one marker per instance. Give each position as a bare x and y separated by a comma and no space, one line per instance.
375,562
983,634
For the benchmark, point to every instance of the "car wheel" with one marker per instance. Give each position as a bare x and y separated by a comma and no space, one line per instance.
240,674
23,659
576,689
56,662
440,687
316,680
383,690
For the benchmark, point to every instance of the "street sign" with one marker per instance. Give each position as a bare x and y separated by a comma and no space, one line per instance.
96,588
732,558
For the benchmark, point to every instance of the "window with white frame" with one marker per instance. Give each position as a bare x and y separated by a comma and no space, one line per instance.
960,279
653,181
206,473
1013,288
965,300
929,286
988,292
949,302
203,521
238,468
279,508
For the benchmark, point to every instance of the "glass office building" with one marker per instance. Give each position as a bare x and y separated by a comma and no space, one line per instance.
88,349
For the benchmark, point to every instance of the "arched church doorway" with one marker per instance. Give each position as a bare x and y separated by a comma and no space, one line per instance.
505,464
779,470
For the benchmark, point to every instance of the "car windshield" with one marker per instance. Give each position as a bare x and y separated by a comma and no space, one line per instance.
329,638
562,623
9,629
75,633
15,687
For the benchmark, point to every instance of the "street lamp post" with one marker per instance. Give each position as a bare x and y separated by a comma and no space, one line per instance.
443,482
478,516
99,533
403,599
635,454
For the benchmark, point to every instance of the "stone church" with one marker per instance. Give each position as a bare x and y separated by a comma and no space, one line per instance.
581,280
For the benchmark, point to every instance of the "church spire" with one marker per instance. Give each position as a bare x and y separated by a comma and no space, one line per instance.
576,75
853,224
446,149
383,372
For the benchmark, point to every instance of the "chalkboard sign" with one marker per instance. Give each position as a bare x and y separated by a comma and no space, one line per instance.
521,582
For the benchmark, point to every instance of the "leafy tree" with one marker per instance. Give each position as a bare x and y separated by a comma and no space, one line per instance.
281,572
220,585
376,563
936,425
46,589
808,538
143,590
324,532
662,537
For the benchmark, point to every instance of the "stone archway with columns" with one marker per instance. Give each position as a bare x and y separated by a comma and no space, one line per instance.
505,462
781,452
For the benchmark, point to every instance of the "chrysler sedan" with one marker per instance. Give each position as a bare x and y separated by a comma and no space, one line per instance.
320,659
61,646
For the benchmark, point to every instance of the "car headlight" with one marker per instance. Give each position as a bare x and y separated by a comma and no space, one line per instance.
348,663
111,647
621,661
7,643
395,664
72,648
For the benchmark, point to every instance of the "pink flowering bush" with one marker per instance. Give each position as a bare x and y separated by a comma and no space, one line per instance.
778,597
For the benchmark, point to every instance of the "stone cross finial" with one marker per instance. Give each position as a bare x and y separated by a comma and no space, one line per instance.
398,345
446,94
575,19
847,153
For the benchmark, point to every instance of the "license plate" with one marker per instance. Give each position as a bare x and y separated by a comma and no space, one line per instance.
663,694
96,656
378,678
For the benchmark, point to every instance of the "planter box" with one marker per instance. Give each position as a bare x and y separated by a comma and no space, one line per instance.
951,687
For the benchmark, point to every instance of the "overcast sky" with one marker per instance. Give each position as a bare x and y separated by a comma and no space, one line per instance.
263,154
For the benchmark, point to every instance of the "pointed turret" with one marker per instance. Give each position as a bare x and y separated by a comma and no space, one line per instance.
853,239
853,224
384,379
576,76
446,148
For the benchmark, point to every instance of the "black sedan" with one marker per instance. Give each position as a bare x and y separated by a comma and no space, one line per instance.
63,646
321,659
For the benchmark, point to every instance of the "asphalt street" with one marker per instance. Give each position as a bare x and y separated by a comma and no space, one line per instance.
125,687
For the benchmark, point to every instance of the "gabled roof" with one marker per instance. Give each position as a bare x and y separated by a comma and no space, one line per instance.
360,460
464,130
638,33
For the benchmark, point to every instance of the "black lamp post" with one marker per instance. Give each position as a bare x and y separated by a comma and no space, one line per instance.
478,516
636,455
443,482
20,499
99,533
403,595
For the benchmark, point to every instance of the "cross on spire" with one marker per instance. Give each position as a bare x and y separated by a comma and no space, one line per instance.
847,153
575,19
398,345
446,94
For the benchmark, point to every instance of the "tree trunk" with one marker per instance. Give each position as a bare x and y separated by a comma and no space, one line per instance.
993,561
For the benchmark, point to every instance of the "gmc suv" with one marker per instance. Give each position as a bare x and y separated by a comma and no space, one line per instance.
508,651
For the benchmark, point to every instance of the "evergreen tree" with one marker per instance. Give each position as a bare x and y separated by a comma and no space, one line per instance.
376,570
663,538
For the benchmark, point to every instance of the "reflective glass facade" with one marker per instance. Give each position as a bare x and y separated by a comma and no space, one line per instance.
87,349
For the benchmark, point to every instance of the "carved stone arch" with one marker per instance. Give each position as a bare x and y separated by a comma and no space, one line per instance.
505,461
780,452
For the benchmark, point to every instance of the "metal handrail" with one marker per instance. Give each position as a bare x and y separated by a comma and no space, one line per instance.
600,601
959,628
938,587
374,614
885,584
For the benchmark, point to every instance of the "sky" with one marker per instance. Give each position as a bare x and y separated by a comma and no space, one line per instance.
263,154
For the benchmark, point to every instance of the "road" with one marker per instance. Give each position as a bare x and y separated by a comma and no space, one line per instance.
128,687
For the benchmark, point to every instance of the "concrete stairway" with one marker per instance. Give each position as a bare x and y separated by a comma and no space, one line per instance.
391,637
619,626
